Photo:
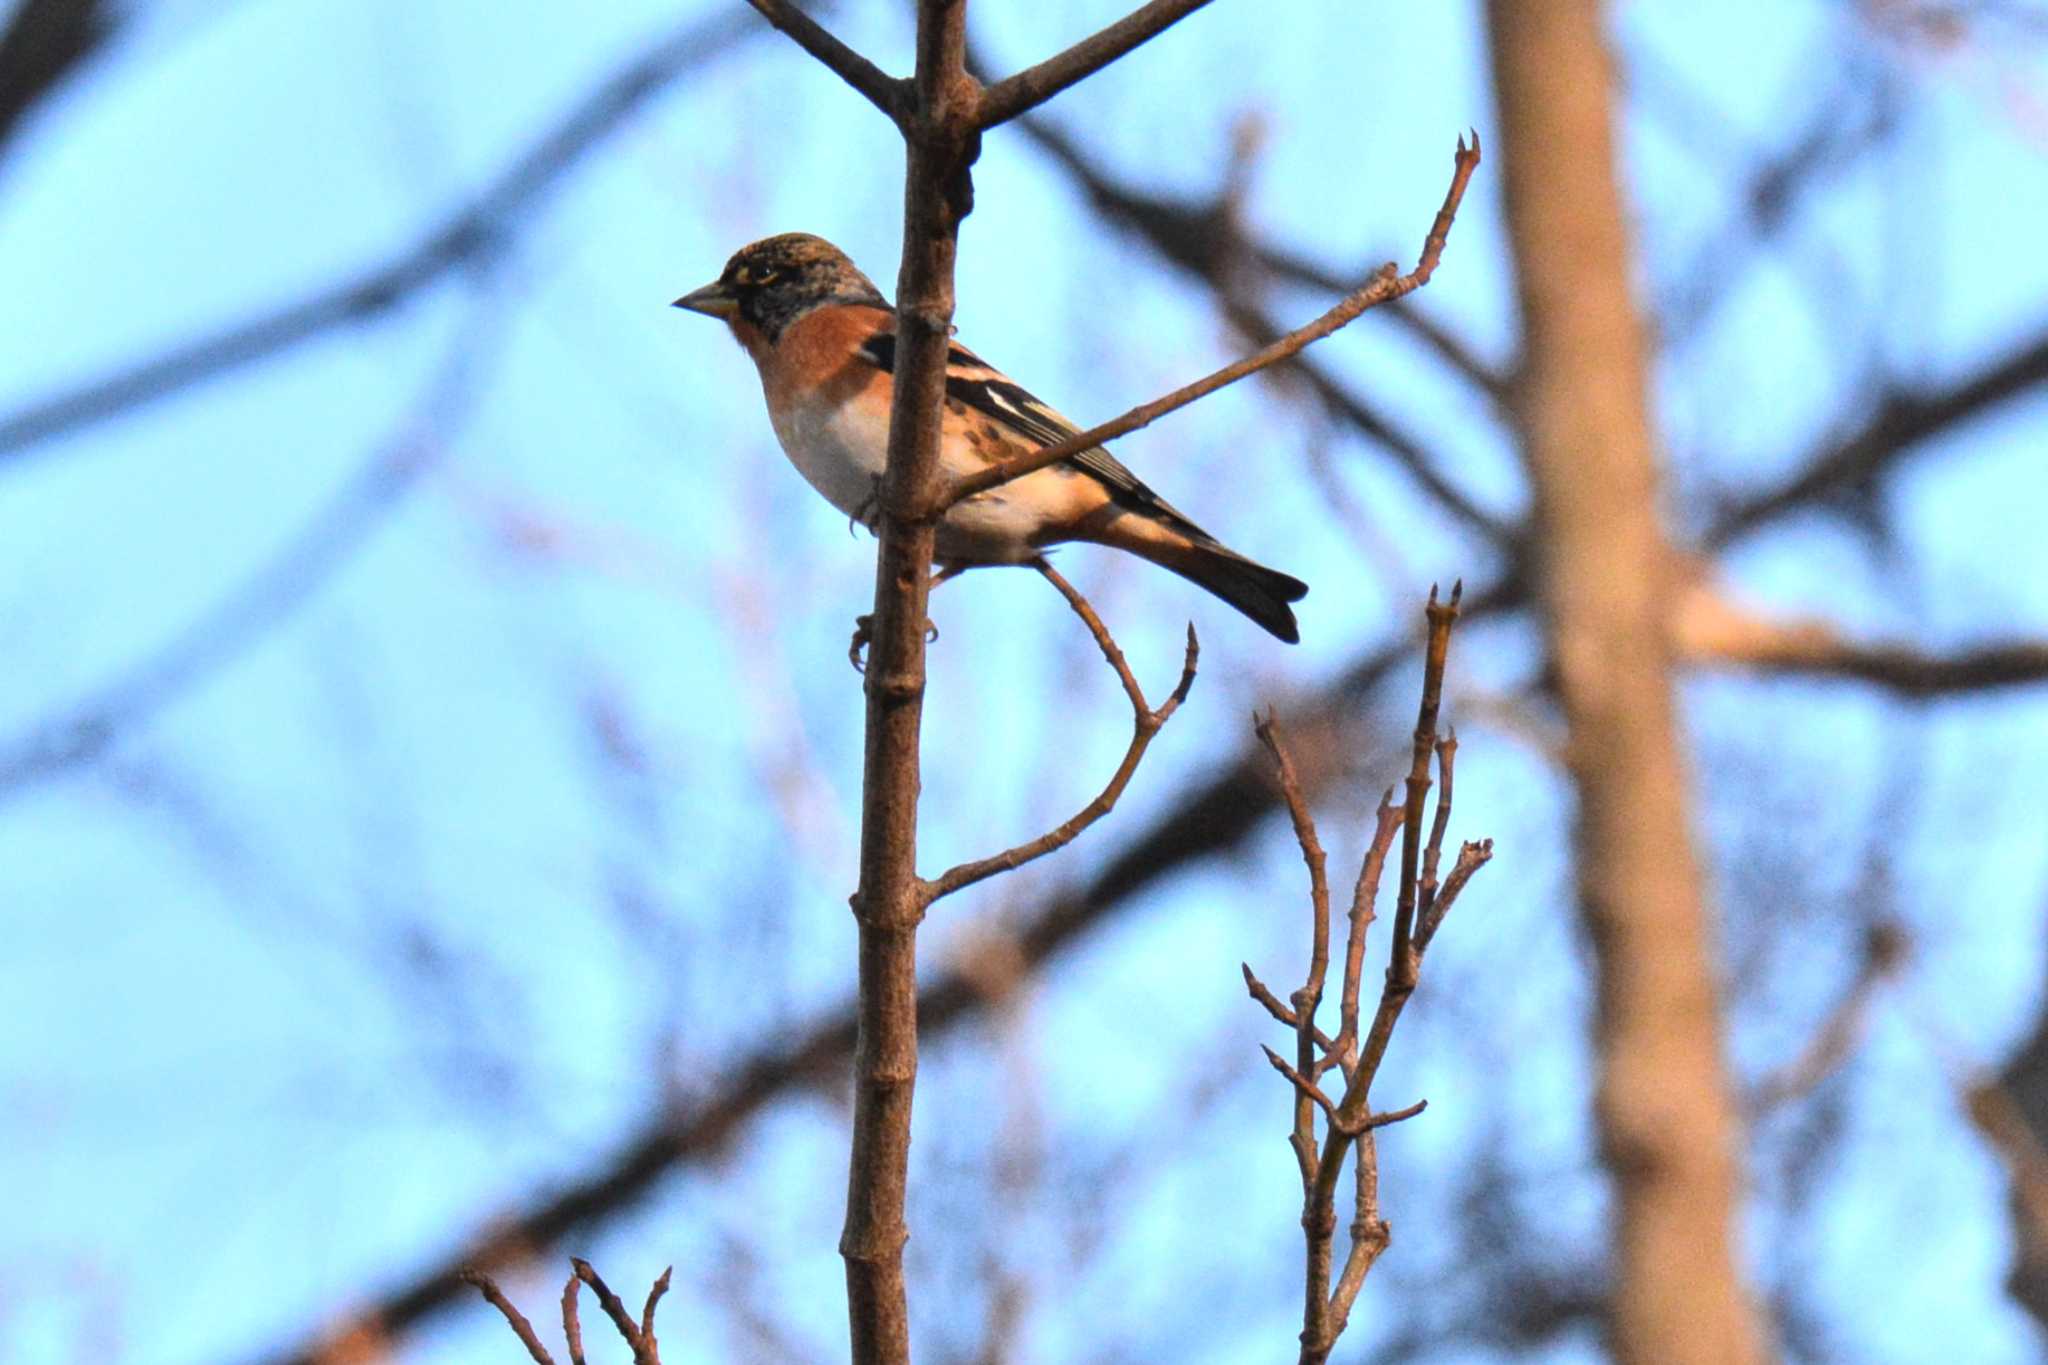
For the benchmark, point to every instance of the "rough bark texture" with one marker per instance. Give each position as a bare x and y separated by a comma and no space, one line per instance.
1667,1124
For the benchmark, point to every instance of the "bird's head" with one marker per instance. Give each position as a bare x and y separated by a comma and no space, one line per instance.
773,282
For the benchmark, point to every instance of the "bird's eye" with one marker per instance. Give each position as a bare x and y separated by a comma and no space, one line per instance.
767,277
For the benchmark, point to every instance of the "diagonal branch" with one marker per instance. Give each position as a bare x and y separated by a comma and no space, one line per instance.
1206,238
42,46
516,1320
1900,424
1384,286
475,233
1035,85
272,591
885,92
1145,723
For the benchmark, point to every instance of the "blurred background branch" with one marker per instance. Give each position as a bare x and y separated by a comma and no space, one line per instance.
457,782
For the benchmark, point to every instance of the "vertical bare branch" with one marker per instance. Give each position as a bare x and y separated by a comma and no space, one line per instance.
1326,1307
942,144
1667,1120
1310,996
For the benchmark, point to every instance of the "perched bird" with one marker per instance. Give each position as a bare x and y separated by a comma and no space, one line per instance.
824,340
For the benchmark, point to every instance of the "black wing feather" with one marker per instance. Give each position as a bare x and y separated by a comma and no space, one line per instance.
995,395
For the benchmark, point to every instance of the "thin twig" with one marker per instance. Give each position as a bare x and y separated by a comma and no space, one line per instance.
572,1320
1401,969
1304,1088
1387,819
639,1337
1472,856
1035,85
1385,284
654,1295
1264,995
1327,1308
514,1319
1145,723
615,1309
1432,855
1395,1115
1310,996
882,90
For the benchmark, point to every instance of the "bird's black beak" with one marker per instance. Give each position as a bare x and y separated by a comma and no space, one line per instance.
713,299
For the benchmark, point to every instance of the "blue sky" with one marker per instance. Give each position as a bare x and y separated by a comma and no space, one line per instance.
539,805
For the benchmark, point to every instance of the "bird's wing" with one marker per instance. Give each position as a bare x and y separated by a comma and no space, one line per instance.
989,391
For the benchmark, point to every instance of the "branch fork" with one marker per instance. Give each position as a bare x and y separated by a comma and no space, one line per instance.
1421,905
637,1334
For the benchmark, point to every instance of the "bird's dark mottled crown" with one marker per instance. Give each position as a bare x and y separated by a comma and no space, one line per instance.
778,279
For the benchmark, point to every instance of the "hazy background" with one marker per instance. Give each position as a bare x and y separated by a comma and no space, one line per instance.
427,749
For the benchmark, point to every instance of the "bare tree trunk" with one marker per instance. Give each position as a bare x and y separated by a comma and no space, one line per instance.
1668,1128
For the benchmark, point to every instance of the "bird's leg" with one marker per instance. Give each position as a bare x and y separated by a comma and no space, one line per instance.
863,625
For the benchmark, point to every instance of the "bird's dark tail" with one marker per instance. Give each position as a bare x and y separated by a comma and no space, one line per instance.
1257,591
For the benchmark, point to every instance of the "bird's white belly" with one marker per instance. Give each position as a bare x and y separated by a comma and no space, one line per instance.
842,454
837,453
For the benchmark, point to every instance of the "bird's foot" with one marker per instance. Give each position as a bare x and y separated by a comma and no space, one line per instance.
863,627
863,631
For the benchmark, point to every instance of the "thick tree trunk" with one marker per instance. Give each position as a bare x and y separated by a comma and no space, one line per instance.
1668,1129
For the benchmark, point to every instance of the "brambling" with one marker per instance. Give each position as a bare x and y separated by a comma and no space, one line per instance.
824,340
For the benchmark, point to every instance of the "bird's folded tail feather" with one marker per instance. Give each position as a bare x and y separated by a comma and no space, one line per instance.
1257,591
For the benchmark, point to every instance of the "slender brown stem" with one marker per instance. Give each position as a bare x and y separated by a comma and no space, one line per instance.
515,1319
1310,996
638,1336
1432,854
1145,723
1471,857
572,1318
1364,895
1383,286
1035,85
885,92
1327,1308
615,1309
